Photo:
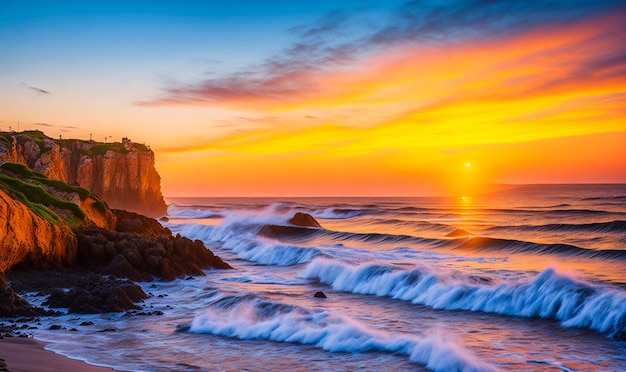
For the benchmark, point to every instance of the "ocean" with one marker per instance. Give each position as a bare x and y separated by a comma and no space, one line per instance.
528,278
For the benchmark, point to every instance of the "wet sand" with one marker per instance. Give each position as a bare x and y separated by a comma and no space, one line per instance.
27,355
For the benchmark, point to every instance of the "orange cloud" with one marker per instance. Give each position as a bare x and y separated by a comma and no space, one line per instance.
402,121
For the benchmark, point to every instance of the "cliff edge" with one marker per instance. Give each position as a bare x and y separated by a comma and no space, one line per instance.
39,217
64,241
122,173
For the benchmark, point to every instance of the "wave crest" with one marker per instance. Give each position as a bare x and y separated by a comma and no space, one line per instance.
551,295
249,318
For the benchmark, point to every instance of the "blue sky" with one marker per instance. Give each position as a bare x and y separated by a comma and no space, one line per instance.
215,83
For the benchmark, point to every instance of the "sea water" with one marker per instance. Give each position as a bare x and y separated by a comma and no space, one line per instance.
529,278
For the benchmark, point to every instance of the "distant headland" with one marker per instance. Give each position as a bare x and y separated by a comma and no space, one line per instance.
122,173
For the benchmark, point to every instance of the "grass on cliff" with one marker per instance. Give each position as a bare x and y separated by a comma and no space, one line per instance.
102,148
39,200
26,172
4,138
88,148
100,205
38,136
37,194
39,209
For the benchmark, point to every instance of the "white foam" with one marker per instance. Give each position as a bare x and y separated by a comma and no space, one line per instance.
550,295
238,233
249,318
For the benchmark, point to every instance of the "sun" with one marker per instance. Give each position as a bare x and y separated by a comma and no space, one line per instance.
468,164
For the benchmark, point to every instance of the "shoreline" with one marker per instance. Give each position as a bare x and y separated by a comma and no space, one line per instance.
23,354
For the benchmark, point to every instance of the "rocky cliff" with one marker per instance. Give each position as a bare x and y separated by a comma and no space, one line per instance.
122,173
91,250
39,217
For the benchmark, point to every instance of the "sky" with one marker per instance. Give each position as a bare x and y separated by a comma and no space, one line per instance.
329,98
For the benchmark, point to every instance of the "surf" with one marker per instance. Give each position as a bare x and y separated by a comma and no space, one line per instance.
573,302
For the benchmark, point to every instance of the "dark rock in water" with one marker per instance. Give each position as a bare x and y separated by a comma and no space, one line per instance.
304,220
164,219
12,305
55,327
480,279
96,294
108,330
277,231
86,323
459,232
319,294
303,225
183,327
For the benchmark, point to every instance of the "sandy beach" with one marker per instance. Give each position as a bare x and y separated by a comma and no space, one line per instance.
27,355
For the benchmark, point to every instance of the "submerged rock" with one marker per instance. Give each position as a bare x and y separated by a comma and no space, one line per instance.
319,294
458,232
302,224
277,231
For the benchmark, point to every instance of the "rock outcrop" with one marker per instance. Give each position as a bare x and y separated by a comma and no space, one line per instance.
96,294
38,217
30,239
142,250
122,173
304,220
50,225
300,225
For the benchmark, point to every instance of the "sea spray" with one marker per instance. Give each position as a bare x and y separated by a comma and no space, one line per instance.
550,295
192,213
238,233
268,253
249,317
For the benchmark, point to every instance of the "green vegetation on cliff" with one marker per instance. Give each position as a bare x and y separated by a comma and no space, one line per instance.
38,195
39,209
38,136
102,148
24,171
34,190
5,139
86,147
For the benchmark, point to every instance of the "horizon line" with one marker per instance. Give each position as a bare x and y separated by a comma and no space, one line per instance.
407,196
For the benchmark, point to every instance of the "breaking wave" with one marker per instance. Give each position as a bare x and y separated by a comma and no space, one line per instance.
617,226
550,295
478,244
249,317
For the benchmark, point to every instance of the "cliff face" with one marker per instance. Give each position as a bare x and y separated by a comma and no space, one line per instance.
39,216
30,239
123,174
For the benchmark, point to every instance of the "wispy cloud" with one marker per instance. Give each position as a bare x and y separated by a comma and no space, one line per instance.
338,39
48,125
35,89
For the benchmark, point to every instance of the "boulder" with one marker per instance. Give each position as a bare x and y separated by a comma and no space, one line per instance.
304,220
319,294
96,294
143,250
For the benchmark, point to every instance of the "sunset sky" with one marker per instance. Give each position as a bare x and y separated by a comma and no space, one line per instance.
329,98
